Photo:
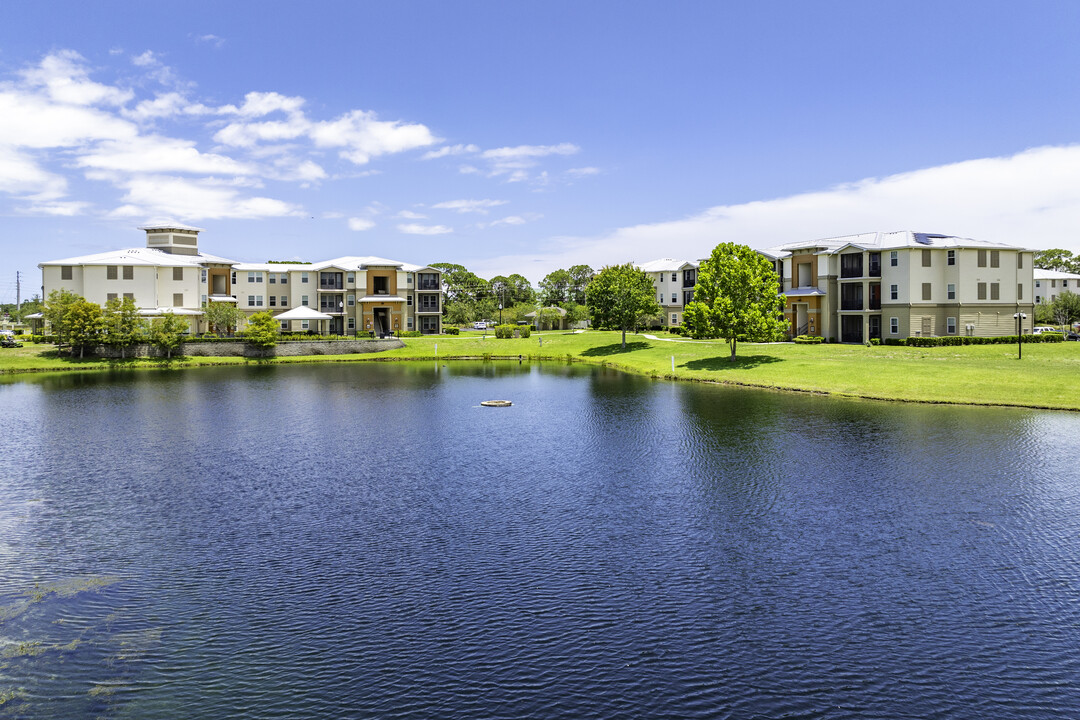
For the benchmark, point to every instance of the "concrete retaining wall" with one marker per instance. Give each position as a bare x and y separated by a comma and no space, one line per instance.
282,349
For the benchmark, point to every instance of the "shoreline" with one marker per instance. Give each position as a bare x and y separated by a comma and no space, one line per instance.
12,374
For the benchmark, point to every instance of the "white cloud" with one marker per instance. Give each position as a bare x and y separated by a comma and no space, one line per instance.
516,161
247,135
164,105
363,137
468,170
58,209
147,59
154,153
194,200
360,224
582,172
211,40
258,104
1031,199
416,229
22,176
410,215
469,206
450,150
65,80
510,220
30,120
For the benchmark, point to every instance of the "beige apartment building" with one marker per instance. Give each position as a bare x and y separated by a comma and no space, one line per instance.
1049,284
171,275
674,282
904,284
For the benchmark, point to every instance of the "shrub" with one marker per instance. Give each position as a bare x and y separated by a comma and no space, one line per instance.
676,330
451,331
525,330
809,340
875,341
505,332
410,333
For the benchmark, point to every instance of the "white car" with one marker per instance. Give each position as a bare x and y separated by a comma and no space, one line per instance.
479,326
1040,329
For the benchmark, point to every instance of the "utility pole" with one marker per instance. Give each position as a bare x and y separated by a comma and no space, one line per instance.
18,296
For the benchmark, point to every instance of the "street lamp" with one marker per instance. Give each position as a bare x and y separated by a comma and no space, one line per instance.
1019,344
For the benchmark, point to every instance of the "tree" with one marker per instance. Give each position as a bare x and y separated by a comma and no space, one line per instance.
618,296
1057,259
85,325
555,288
575,313
222,317
167,333
580,277
1065,309
262,330
737,297
56,312
123,326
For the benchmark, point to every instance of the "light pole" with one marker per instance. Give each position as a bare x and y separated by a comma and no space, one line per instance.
1020,317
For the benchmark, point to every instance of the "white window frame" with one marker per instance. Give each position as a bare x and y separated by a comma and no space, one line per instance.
950,326
950,257
894,292
894,258
303,301
303,277
950,291
894,326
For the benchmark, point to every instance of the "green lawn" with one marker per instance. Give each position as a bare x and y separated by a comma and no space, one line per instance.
1047,376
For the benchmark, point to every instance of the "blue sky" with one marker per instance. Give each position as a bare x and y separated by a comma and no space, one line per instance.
522,137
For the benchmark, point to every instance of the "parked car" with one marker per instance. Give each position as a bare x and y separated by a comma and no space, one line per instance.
1072,336
1040,329
480,325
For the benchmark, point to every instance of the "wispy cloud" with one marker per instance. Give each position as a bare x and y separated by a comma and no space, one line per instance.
515,162
410,215
417,229
360,224
469,206
450,150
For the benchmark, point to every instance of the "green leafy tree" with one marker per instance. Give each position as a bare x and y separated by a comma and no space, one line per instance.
580,277
56,312
85,325
737,297
123,326
618,296
167,333
1065,309
575,313
222,317
262,330
555,288
1057,259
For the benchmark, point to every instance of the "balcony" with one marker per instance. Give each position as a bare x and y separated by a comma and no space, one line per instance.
851,304
428,285
851,265
331,285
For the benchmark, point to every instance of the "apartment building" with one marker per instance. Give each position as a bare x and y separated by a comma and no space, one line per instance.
171,275
674,282
902,284
1051,283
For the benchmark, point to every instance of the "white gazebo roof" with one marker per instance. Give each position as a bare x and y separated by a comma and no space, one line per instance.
157,312
302,313
221,298
381,298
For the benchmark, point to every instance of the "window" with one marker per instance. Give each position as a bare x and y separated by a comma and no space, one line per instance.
65,272
109,297
674,298
926,257
233,277
894,292
950,326
674,319
271,278
1020,291
674,277
178,299
273,301
202,276
251,301
894,260
950,258
285,325
351,278
894,326
351,299
110,272
410,322
352,323
284,278
203,299
129,272
982,291
303,277
408,299
284,301
1019,261
995,258
925,290
660,297
304,300
255,277
982,258
1037,283
178,274
995,292
951,292
129,296
303,324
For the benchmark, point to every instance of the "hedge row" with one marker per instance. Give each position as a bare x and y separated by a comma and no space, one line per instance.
505,332
1046,337
808,340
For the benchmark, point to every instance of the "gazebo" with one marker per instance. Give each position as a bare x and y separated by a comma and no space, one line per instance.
303,313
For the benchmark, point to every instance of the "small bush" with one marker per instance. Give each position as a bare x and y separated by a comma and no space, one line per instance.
525,330
505,332
451,331
875,341
676,330
809,340
410,333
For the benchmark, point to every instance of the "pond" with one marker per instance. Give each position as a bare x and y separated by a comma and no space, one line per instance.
365,540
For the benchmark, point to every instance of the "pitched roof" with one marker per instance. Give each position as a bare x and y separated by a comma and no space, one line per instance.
141,256
665,265
888,241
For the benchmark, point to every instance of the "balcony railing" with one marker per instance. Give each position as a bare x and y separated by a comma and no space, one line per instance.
428,285
851,304
331,285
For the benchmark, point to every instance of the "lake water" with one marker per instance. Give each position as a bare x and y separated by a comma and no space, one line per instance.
366,541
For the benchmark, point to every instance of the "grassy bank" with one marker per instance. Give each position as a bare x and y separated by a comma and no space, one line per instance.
1046,377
